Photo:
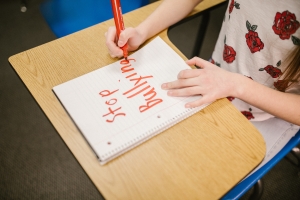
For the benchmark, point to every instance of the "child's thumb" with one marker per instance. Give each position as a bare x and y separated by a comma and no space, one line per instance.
123,38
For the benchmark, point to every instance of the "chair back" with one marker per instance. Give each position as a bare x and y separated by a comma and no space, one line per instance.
68,16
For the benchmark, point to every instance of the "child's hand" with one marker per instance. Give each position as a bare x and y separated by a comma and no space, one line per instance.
210,81
131,36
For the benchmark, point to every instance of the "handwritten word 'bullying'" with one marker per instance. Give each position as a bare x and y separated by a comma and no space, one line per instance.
140,86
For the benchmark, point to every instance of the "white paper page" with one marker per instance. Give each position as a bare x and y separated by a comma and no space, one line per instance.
88,99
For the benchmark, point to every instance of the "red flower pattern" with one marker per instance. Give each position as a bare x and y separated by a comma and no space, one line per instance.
230,98
281,85
273,71
285,24
232,5
248,114
215,63
253,41
228,54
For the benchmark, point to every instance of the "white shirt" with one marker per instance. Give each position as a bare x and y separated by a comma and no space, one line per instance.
254,40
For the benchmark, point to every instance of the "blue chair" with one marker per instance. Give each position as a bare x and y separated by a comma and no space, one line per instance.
68,16
255,179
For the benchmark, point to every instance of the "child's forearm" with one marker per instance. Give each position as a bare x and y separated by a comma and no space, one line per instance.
279,104
168,13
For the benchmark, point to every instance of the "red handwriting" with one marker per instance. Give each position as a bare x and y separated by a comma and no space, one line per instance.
139,86
126,61
111,102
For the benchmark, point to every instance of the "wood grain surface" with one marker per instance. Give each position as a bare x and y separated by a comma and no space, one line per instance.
202,157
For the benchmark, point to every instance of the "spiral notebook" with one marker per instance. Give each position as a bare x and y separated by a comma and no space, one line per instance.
121,105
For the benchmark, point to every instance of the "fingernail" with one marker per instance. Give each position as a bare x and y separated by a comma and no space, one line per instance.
164,86
170,93
187,105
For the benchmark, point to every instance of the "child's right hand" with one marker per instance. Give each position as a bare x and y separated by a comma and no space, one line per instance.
131,36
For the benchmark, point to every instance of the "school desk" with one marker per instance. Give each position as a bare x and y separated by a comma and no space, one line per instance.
202,157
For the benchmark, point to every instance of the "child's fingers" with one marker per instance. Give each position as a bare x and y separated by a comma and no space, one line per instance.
125,36
199,102
180,83
184,92
198,62
188,73
114,50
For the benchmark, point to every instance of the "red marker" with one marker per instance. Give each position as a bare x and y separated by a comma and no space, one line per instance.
117,11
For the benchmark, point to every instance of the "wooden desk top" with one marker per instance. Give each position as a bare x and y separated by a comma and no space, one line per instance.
200,158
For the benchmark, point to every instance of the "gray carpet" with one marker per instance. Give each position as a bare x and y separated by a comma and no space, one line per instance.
34,161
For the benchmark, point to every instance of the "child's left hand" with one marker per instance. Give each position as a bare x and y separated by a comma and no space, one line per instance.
211,81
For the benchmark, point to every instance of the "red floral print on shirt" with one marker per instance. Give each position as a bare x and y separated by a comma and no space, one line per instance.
285,24
230,98
252,39
228,53
281,85
215,63
248,114
232,5
275,72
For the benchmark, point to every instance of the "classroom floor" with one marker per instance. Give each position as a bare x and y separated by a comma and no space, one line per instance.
35,163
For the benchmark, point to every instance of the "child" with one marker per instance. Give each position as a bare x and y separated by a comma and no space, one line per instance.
255,63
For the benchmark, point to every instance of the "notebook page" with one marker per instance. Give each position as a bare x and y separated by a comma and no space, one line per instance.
121,105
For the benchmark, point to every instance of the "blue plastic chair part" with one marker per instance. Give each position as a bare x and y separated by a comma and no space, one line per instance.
68,16
239,190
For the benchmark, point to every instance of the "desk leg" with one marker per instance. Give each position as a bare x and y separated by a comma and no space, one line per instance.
257,190
23,6
296,152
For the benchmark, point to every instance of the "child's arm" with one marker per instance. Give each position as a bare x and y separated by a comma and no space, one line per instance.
213,82
168,13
